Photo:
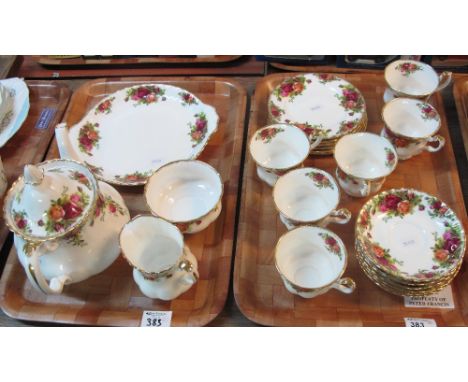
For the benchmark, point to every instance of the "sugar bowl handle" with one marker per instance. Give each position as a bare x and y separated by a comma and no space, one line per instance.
35,275
191,276
435,139
345,285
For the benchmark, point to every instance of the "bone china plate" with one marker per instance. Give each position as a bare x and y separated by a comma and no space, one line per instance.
411,235
136,130
320,104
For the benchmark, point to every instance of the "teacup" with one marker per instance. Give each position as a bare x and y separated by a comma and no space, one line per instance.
311,261
278,148
186,193
163,267
364,160
308,196
411,126
413,79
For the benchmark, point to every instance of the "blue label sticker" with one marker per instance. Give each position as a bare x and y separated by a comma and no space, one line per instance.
44,119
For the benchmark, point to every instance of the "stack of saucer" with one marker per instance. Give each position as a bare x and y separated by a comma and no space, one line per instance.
323,105
409,243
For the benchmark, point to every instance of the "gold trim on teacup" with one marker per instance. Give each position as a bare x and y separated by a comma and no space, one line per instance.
376,178
295,221
213,209
150,275
281,169
73,228
413,139
305,289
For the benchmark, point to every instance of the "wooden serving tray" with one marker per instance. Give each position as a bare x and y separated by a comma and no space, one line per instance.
258,289
116,60
112,297
460,94
30,144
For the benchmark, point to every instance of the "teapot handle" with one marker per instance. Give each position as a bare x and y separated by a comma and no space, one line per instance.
35,275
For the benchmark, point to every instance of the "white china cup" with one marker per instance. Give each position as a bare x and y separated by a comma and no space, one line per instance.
186,193
364,160
163,267
311,261
413,79
308,196
411,125
278,148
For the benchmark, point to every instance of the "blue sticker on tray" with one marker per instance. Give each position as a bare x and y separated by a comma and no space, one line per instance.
44,119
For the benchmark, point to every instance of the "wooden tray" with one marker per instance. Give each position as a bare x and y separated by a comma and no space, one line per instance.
30,144
119,60
258,289
112,297
6,63
460,94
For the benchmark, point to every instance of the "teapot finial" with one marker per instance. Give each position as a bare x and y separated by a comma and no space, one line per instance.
33,175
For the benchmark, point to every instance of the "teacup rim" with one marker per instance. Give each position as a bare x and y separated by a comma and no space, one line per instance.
145,191
143,215
404,93
307,221
309,289
277,168
362,178
399,99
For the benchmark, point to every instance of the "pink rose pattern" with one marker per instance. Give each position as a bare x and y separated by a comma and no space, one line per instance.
186,227
198,129
407,68
276,111
446,247
145,95
320,180
94,169
332,244
188,99
428,112
312,130
88,138
135,177
291,88
64,211
390,158
106,205
382,256
325,77
351,100
266,135
348,126
21,221
105,106
80,177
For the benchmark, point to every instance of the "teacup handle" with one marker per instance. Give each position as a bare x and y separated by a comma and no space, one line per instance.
185,265
365,189
444,80
314,142
35,275
341,216
345,285
436,138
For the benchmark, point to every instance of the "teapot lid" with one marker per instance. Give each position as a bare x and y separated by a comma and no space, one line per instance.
50,200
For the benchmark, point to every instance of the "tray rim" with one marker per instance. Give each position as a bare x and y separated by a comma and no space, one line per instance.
243,96
460,81
255,102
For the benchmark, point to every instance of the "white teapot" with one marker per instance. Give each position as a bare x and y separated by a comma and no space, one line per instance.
66,223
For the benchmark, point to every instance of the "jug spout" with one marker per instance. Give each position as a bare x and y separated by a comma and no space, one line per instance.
63,141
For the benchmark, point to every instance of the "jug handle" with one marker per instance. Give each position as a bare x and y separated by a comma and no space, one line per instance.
35,275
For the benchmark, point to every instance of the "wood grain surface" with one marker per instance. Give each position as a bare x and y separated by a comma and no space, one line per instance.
112,297
30,144
6,63
460,95
258,289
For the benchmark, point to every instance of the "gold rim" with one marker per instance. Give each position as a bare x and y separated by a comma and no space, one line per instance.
159,274
308,221
77,226
304,289
218,201
408,94
284,168
391,147
193,157
413,139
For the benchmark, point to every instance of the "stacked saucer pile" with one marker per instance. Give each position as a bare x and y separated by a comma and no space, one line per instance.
325,106
409,243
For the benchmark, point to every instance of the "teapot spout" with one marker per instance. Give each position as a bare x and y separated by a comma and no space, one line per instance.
63,141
